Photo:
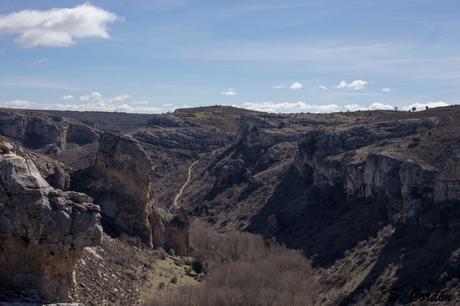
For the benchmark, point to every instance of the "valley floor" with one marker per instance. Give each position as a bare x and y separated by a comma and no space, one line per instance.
120,273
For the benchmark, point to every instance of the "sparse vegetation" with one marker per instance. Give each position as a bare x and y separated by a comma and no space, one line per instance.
243,269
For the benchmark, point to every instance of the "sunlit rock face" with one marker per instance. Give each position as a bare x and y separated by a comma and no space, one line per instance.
43,232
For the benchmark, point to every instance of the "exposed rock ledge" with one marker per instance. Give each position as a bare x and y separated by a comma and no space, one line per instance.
42,231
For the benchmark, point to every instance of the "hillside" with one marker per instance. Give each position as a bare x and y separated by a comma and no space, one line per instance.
370,197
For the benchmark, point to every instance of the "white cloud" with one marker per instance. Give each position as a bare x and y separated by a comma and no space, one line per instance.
296,86
342,84
17,104
94,96
94,101
322,87
229,92
380,106
58,27
356,84
422,106
42,62
286,107
386,89
67,97
353,107
373,106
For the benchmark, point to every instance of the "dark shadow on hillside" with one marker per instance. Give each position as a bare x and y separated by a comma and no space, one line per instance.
320,221
81,182
237,170
425,256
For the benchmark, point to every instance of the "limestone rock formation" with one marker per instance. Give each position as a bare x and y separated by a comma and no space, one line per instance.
354,161
362,193
171,230
256,131
43,232
122,182
36,130
447,185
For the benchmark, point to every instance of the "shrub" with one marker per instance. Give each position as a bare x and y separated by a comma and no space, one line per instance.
244,270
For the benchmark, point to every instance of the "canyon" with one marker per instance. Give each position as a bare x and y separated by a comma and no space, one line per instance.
370,197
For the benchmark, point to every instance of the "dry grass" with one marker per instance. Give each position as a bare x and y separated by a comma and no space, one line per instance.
243,270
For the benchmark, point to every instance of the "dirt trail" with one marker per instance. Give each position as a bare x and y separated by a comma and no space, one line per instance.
179,194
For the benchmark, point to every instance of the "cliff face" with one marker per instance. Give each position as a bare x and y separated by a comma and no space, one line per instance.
377,163
447,184
372,197
43,232
232,184
122,182
171,230
364,164
124,187
38,130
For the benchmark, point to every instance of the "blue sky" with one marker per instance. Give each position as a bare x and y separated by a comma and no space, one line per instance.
282,56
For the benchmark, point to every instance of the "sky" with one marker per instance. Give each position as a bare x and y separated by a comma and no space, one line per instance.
277,56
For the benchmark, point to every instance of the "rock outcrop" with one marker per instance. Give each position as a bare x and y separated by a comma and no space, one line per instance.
447,184
38,130
122,182
43,232
171,230
360,161
256,131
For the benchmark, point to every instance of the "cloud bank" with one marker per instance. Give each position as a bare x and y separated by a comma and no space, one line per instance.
58,27
293,107
422,106
93,101
373,106
287,107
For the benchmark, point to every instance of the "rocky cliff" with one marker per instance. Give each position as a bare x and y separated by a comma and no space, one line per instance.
350,190
122,182
363,162
43,232
370,197
36,130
